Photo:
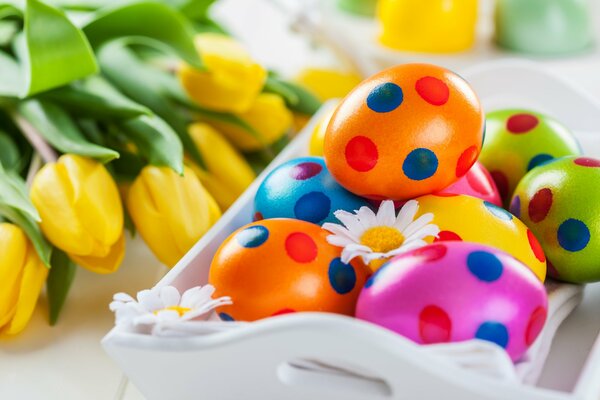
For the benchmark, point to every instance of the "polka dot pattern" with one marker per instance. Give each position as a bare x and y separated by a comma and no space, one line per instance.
305,170
485,266
342,277
301,247
540,205
434,325
535,325
385,97
498,211
494,332
587,162
536,247
431,253
447,236
258,216
515,206
466,161
361,154
521,123
313,207
433,90
253,236
225,317
283,311
573,235
480,184
538,160
420,164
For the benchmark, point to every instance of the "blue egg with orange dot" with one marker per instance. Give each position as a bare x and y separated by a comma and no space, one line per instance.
278,266
303,189
560,202
408,131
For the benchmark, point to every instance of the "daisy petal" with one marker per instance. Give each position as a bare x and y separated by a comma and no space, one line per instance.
350,221
406,247
406,215
387,213
149,300
338,241
123,297
170,296
418,224
426,231
367,219
339,230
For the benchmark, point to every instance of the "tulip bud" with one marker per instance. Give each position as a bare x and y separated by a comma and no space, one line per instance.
227,173
269,117
22,276
81,211
317,139
328,83
170,212
232,79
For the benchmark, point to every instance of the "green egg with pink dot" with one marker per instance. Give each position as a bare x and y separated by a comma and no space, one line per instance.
560,203
517,141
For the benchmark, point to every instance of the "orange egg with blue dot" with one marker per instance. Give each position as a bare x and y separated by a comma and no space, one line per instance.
407,131
278,266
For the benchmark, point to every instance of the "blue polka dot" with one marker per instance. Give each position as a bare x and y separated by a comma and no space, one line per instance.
342,277
385,97
484,266
420,164
494,332
252,236
573,235
498,211
538,160
313,207
225,317
515,206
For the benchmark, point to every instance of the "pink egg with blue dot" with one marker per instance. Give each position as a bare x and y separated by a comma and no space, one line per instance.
303,189
478,182
457,291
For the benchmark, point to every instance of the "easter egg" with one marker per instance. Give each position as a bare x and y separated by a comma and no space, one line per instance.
560,203
407,131
516,141
303,189
457,291
278,266
466,218
315,146
477,183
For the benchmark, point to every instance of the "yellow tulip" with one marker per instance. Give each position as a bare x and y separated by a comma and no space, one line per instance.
170,212
227,173
22,276
232,79
300,121
81,211
328,83
268,115
433,26
318,135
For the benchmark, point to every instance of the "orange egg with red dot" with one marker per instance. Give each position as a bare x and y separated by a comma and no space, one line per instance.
407,131
278,266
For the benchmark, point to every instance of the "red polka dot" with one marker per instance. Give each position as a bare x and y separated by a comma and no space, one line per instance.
447,236
501,183
300,247
433,90
479,181
361,153
521,123
258,216
587,162
283,311
540,205
466,161
434,325
535,246
443,194
535,325
430,253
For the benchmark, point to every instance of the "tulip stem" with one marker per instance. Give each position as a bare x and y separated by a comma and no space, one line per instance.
34,167
34,138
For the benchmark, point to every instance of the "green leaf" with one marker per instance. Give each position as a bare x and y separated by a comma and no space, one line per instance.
32,230
192,9
8,30
11,78
56,51
95,98
156,141
57,127
296,97
59,282
150,19
9,152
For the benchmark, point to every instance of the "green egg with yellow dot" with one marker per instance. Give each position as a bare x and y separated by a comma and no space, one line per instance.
560,203
517,141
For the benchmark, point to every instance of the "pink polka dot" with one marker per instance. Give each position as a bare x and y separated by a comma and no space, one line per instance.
521,123
540,205
587,162
536,247
466,160
361,153
535,325
434,325
300,247
448,236
305,170
501,183
433,90
480,181
430,253
283,311
258,216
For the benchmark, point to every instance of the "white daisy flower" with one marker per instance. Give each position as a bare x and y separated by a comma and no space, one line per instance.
378,237
164,312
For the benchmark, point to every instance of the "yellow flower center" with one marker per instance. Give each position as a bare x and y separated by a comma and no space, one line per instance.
180,310
382,239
